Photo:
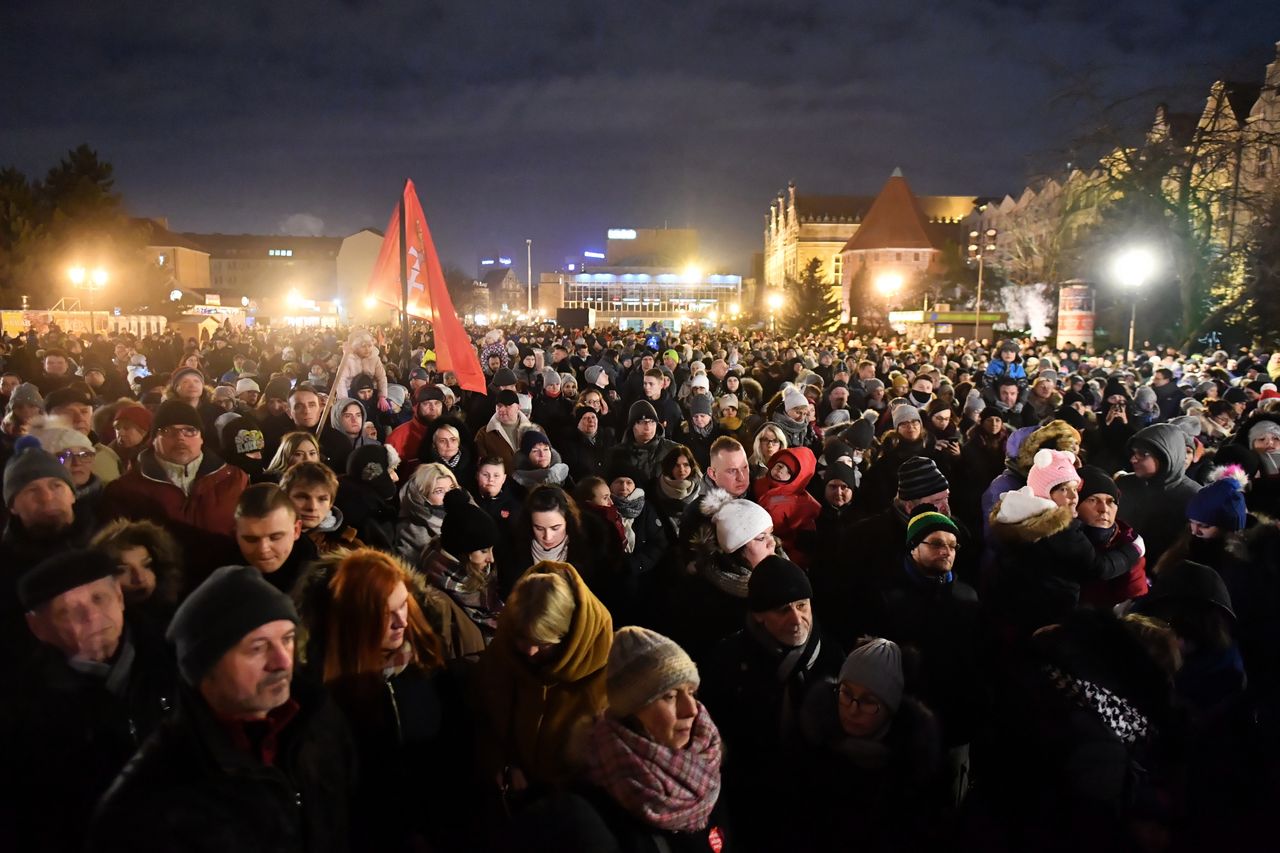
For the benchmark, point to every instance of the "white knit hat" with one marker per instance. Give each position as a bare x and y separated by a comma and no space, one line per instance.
700,381
737,521
56,435
643,665
246,384
792,398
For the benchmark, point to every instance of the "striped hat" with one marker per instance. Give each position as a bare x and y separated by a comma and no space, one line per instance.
925,521
919,477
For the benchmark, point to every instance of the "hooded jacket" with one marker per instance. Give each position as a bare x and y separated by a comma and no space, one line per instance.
536,715
335,444
643,457
792,509
1156,507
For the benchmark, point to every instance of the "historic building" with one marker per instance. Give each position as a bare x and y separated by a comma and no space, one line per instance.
1232,146
800,227
262,266
895,245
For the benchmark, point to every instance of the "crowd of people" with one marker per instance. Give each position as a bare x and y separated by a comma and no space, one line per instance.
644,592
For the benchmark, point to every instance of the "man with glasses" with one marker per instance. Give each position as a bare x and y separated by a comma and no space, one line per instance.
179,483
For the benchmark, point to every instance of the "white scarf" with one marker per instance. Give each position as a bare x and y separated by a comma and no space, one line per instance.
557,554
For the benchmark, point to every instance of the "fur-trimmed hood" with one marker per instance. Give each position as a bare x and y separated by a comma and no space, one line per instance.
1056,435
1024,520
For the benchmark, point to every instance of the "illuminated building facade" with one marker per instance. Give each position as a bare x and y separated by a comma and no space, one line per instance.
647,275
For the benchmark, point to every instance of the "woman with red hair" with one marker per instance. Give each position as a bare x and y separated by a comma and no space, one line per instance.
381,660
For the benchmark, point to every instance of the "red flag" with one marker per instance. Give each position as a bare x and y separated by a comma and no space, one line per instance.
428,295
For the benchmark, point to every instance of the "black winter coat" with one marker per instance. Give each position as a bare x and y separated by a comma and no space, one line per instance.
1156,507
1041,562
66,737
191,789
584,458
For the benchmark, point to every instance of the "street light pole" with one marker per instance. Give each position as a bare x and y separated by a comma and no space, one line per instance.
1133,267
528,246
979,250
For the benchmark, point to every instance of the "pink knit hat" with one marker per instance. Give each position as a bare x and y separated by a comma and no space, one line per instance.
1051,468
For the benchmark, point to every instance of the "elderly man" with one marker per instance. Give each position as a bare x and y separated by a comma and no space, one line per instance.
179,483
253,759
754,684
75,404
43,520
93,690
501,436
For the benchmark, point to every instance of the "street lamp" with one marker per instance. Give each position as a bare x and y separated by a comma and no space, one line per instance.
528,248
774,301
1132,268
89,280
978,250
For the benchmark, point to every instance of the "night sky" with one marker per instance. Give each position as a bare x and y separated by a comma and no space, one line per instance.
557,120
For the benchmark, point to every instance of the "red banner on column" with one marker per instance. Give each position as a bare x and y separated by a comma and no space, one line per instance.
428,295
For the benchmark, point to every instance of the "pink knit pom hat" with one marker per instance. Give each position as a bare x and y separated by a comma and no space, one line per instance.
1051,468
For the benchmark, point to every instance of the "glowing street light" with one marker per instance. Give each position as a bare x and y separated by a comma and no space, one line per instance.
888,283
692,274
735,309
175,295
482,319
774,301
293,299
370,303
1133,267
89,280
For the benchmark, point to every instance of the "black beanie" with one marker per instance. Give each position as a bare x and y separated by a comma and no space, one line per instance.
176,413
466,527
776,582
1072,416
231,602
1096,481
31,462
278,388
55,575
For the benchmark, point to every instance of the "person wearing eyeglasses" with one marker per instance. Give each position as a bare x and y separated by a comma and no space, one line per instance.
76,453
178,482
872,753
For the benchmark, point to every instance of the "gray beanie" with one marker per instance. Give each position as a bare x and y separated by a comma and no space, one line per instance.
231,602
643,665
593,375
699,404
30,463
877,666
904,414
26,394
550,376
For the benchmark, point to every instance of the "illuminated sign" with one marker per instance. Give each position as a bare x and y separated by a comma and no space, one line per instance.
597,255
505,261
487,262
622,233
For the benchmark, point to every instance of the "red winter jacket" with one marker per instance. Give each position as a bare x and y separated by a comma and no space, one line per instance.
792,508
1126,587
146,493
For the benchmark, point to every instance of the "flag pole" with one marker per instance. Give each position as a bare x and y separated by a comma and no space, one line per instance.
404,289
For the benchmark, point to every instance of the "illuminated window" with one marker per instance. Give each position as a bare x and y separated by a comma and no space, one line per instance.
280,253
836,261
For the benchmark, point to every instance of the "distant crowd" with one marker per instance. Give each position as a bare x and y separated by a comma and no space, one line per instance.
713,591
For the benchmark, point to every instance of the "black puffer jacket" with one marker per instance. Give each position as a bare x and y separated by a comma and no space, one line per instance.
189,788
67,736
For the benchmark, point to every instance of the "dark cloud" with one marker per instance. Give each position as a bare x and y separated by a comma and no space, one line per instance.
555,121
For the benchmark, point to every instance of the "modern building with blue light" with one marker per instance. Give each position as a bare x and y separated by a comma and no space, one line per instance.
646,275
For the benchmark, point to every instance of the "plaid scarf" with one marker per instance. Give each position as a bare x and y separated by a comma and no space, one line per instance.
671,789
